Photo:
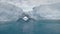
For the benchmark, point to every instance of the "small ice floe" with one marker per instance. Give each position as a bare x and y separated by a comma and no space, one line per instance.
25,18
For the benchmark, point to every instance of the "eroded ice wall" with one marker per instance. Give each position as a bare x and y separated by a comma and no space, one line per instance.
9,12
51,11
48,9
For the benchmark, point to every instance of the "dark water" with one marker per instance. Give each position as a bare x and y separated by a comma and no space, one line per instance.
31,27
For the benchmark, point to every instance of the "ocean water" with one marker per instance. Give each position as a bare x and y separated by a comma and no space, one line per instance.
30,27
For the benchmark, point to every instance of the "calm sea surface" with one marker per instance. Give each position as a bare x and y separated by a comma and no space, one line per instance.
30,27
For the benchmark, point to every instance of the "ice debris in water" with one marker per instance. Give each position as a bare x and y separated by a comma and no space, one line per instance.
25,18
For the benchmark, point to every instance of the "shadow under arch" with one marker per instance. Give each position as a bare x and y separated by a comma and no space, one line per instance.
23,15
